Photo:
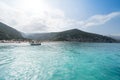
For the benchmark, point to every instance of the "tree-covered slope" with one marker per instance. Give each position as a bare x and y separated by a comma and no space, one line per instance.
71,35
7,33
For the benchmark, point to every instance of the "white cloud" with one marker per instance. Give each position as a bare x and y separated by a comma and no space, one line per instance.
99,19
47,21
31,21
11,16
50,19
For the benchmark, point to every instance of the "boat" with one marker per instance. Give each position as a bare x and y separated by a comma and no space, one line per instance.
35,43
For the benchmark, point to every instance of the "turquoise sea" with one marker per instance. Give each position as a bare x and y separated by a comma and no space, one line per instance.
60,61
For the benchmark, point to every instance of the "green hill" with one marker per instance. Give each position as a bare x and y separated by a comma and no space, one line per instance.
71,35
7,33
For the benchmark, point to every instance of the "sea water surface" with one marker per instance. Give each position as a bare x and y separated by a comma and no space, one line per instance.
60,61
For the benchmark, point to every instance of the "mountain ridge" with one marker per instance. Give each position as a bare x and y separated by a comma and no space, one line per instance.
7,32
71,35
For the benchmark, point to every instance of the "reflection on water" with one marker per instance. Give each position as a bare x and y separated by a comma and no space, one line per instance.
60,61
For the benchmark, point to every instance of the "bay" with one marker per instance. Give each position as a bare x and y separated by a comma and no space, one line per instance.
60,61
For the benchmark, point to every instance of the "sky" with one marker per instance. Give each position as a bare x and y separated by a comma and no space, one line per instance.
32,16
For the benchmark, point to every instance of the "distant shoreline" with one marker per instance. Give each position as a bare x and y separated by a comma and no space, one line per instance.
13,41
28,41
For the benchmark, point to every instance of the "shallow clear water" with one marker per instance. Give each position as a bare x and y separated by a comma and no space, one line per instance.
60,61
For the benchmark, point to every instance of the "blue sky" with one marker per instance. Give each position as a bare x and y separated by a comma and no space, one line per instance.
86,8
97,16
